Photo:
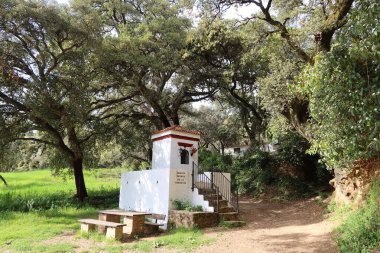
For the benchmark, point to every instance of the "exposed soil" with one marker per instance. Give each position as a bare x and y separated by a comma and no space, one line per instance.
281,227
271,227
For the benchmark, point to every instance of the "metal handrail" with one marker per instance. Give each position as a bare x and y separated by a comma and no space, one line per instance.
204,183
222,187
231,197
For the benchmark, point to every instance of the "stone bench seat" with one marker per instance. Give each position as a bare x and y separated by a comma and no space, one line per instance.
153,224
113,229
152,227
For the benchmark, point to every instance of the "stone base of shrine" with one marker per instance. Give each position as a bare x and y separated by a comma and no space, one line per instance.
193,219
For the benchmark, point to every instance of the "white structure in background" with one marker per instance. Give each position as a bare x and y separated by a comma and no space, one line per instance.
174,151
236,151
241,150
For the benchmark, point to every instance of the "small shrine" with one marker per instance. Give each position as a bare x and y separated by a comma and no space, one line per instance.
173,176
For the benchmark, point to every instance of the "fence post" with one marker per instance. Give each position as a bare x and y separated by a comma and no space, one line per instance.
217,199
237,201
192,178
212,179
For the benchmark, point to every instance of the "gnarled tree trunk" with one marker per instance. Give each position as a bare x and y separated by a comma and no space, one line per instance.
80,185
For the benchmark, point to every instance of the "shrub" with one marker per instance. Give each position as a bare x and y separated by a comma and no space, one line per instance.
186,205
253,173
209,161
360,232
292,149
291,188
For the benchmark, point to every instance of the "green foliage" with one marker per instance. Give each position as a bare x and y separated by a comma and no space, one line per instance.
24,156
253,173
344,92
291,188
360,232
256,172
227,55
292,149
220,126
209,161
186,205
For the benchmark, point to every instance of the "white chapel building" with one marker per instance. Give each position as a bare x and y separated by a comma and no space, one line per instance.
175,155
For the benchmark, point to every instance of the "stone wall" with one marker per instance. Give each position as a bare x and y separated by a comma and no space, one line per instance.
188,219
351,186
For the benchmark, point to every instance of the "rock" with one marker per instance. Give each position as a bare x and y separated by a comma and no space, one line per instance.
351,186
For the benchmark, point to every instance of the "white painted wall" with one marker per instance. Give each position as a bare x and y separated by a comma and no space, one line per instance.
166,151
153,191
161,154
145,191
231,151
182,189
175,158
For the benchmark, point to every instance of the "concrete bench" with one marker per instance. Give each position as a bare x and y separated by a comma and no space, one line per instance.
152,227
113,229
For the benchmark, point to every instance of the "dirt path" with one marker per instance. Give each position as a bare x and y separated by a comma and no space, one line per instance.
276,227
271,227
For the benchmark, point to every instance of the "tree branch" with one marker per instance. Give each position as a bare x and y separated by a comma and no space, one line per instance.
36,139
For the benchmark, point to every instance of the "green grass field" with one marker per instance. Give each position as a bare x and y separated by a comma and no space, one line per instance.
36,207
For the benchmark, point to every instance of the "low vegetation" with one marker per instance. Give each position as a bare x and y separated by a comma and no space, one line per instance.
181,239
36,207
186,205
39,190
360,232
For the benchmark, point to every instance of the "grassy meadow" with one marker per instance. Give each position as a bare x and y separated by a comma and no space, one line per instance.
36,208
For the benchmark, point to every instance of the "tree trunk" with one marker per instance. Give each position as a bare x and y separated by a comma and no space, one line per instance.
175,119
3,179
251,135
79,179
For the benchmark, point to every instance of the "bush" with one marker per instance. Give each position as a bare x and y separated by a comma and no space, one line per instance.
253,173
209,161
291,188
361,232
343,90
292,149
186,205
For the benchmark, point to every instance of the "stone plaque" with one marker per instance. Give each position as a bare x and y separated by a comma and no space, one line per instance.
180,177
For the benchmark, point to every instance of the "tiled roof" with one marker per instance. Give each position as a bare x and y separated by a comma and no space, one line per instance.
178,129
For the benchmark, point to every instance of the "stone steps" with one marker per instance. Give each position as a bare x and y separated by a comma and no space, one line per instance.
227,209
212,197
222,203
227,214
233,224
204,191
231,216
